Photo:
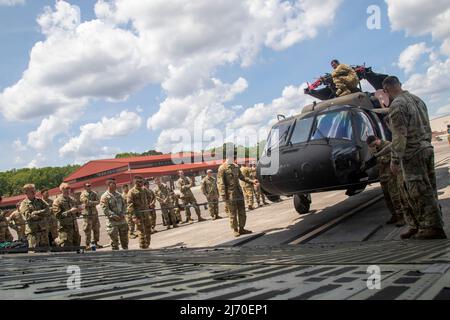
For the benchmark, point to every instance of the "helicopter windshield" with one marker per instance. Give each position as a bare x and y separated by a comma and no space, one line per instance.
278,135
333,125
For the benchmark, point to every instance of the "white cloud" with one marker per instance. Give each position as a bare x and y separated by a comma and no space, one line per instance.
18,146
291,102
11,3
86,145
134,43
420,17
37,162
411,55
417,18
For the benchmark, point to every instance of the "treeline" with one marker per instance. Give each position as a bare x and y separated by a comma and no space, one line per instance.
11,182
134,154
247,152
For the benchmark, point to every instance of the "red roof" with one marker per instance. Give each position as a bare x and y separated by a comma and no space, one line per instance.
94,167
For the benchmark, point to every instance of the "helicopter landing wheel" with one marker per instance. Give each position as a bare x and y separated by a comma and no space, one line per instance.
302,203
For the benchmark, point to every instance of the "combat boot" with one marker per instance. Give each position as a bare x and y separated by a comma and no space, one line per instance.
407,235
200,219
218,217
429,234
175,226
250,208
244,231
236,233
99,246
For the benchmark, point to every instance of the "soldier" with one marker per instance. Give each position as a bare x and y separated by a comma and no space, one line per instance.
17,222
175,201
185,184
36,214
151,205
114,208
209,189
5,235
66,210
413,153
131,225
162,193
247,187
228,177
91,223
345,78
388,181
259,195
138,206
52,221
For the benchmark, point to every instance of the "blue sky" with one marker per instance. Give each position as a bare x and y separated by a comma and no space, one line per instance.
158,93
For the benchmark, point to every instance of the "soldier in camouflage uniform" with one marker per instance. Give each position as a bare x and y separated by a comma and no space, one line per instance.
151,205
138,206
185,184
388,181
228,177
65,208
36,214
131,226
247,187
91,223
209,189
413,153
17,223
114,208
52,221
5,235
162,194
344,78
259,195
175,201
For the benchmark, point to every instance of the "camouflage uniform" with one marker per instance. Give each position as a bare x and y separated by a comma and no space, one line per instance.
411,147
185,185
259,195
36,213
151,207
137,205
91,223
68,233
228,177
174,200
5,235
345,79
209,189
17,222
114,208
162,194
52,223
247,187
131,225
389,182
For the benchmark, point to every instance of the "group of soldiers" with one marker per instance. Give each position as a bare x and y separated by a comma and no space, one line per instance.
406,165
43,222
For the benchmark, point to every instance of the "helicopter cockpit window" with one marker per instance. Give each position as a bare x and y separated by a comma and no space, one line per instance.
278,135
364,126
301,130
333,125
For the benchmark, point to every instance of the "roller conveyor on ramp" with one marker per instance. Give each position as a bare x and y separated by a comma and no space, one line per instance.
409,270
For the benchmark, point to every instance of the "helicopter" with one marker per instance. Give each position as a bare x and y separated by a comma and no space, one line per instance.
323,148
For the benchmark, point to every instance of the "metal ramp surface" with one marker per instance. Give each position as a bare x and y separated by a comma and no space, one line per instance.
409,270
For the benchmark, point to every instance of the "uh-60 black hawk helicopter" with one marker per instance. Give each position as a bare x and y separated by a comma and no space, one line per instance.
324,147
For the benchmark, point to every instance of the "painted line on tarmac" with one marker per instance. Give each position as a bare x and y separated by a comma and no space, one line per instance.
334,222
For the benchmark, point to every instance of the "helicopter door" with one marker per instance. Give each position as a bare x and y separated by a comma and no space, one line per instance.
364,128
